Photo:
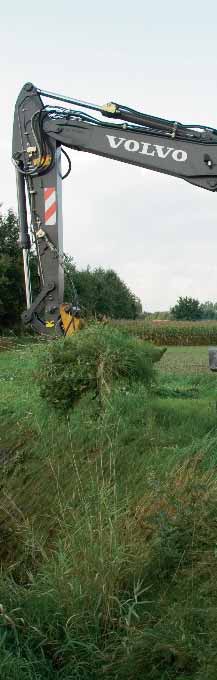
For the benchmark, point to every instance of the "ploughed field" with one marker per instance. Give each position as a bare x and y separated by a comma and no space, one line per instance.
108,524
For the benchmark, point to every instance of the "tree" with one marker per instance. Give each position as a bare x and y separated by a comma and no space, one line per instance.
139,308
209,310
12,287
101,292
12,296
187,309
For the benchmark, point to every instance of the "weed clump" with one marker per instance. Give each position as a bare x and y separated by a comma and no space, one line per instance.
93,360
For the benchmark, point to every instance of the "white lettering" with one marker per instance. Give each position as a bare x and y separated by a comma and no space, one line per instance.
113,141
131,145
179,155
145,149
161,150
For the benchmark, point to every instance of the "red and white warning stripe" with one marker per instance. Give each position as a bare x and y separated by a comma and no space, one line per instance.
50,210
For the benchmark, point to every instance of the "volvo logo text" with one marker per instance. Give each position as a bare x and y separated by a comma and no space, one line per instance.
147,149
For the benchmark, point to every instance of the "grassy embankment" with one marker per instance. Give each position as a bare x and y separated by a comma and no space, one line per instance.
108,527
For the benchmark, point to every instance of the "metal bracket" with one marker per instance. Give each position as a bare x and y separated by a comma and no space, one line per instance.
28,315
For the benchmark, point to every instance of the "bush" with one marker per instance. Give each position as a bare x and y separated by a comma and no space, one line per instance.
93,360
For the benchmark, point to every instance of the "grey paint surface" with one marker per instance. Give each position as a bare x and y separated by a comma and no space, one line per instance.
94,139
192,160
50,246
213,358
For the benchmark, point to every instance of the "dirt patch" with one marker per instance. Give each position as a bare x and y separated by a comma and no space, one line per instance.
7,344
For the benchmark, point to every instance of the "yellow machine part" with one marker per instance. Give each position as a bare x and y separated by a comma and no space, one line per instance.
70,323
49,324
44,160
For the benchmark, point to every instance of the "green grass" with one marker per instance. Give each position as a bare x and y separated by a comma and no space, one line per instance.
191,360
108,529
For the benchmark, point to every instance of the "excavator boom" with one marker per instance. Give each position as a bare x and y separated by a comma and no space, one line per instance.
40,131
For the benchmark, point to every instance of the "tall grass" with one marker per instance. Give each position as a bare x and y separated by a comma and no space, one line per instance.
108,531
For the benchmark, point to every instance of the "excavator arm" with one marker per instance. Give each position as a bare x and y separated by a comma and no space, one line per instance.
40,131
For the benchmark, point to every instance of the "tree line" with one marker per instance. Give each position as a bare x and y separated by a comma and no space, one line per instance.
186,309
100,292
191,309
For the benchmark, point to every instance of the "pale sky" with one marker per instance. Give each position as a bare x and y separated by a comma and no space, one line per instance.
159,233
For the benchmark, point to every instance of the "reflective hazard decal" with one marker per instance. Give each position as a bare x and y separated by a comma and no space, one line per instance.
50,210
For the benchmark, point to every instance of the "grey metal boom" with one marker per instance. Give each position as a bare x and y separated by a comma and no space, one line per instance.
186,152
184,159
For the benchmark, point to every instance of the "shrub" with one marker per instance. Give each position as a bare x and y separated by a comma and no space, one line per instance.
93,360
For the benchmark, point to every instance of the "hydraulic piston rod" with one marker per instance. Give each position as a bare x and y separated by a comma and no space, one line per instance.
24,235
69,100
